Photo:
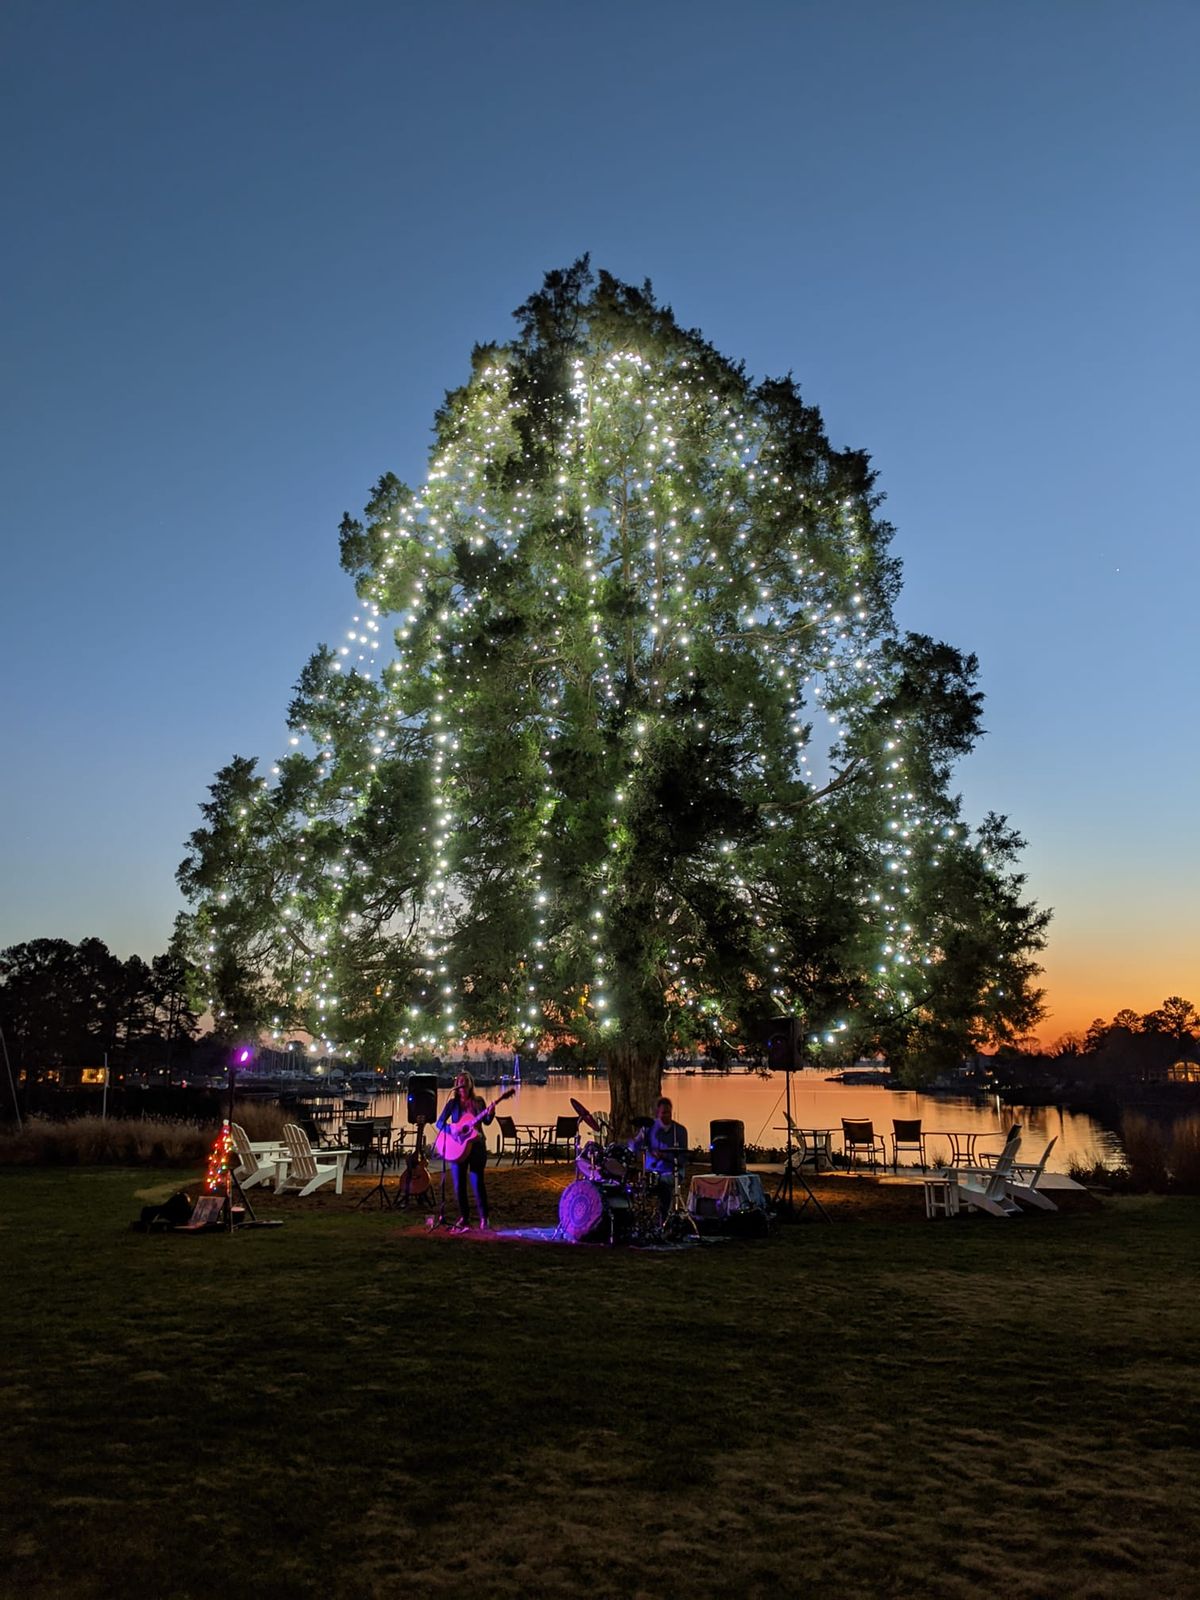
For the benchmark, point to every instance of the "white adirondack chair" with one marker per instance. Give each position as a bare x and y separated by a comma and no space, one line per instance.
986,1188
259,1160
1025,1177
308,1169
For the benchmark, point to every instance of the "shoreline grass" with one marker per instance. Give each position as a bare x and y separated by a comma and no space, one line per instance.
346,1404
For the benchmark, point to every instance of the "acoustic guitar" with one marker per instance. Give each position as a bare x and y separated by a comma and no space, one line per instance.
456,1138
416,1182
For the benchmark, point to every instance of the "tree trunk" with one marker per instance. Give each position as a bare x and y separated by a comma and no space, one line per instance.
634,1083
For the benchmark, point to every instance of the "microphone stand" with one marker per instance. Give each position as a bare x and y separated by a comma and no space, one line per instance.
440,1220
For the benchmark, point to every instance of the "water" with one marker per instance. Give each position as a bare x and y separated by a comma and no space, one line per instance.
758,1103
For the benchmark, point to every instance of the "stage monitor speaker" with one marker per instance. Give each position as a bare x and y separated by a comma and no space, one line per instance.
422,1096
727,1142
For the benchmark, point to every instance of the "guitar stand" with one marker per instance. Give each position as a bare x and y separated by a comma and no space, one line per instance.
402,1198
402,1201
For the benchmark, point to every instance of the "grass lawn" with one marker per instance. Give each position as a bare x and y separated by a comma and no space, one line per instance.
349,1406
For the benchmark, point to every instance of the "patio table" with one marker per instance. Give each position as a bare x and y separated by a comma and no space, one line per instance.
962,1141
537,1137
816,1146
377,1140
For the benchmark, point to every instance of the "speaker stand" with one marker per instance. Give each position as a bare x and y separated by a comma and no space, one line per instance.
784,1198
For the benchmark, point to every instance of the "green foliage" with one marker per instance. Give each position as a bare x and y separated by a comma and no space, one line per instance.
644,761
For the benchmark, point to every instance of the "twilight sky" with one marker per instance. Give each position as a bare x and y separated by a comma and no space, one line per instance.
250,243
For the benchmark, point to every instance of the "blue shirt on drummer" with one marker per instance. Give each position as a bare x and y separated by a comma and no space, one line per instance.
660,1138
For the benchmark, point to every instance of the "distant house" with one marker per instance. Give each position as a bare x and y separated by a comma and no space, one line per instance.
1145,1057
1185,1071
66,1077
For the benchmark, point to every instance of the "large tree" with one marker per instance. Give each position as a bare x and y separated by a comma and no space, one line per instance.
624,748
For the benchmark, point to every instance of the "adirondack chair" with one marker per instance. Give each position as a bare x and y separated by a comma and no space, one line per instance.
1024,1179
986,1188
258,1159
308,1169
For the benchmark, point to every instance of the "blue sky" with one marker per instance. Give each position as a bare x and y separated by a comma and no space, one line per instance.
251,244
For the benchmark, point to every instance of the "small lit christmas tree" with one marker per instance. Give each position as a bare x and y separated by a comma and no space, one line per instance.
220,1163
623,751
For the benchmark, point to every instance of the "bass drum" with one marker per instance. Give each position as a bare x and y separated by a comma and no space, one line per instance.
589,1212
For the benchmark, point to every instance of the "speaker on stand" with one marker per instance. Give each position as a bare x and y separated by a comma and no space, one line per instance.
422,1097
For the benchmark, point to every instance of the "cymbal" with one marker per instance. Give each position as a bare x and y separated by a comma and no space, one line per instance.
585,1116
642,1123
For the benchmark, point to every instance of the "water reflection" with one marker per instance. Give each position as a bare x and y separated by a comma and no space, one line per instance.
758,1102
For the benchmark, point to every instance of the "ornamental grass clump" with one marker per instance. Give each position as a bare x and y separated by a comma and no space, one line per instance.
128,1141
1184,1155
105,1141
1146,1148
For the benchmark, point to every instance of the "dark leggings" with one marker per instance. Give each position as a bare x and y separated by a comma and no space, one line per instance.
474,1163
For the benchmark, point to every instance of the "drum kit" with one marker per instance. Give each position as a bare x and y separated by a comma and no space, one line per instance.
614,1200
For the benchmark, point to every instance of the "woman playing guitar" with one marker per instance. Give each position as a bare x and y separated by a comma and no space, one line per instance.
465,1105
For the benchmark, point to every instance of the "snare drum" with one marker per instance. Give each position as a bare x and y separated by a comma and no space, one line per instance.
589,1163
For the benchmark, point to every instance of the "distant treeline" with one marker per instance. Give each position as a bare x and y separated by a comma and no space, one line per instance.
64,1004
1150,1059
1175,1021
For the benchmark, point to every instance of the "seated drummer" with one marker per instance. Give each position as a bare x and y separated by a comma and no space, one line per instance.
665,1144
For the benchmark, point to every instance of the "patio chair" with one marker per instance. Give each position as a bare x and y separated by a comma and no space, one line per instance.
859,1135
986,1188
309,1167
907,1135
511,1143
566,1132
360,1140
258,1160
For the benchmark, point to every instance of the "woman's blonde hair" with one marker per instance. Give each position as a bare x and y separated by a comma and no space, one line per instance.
458,1077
